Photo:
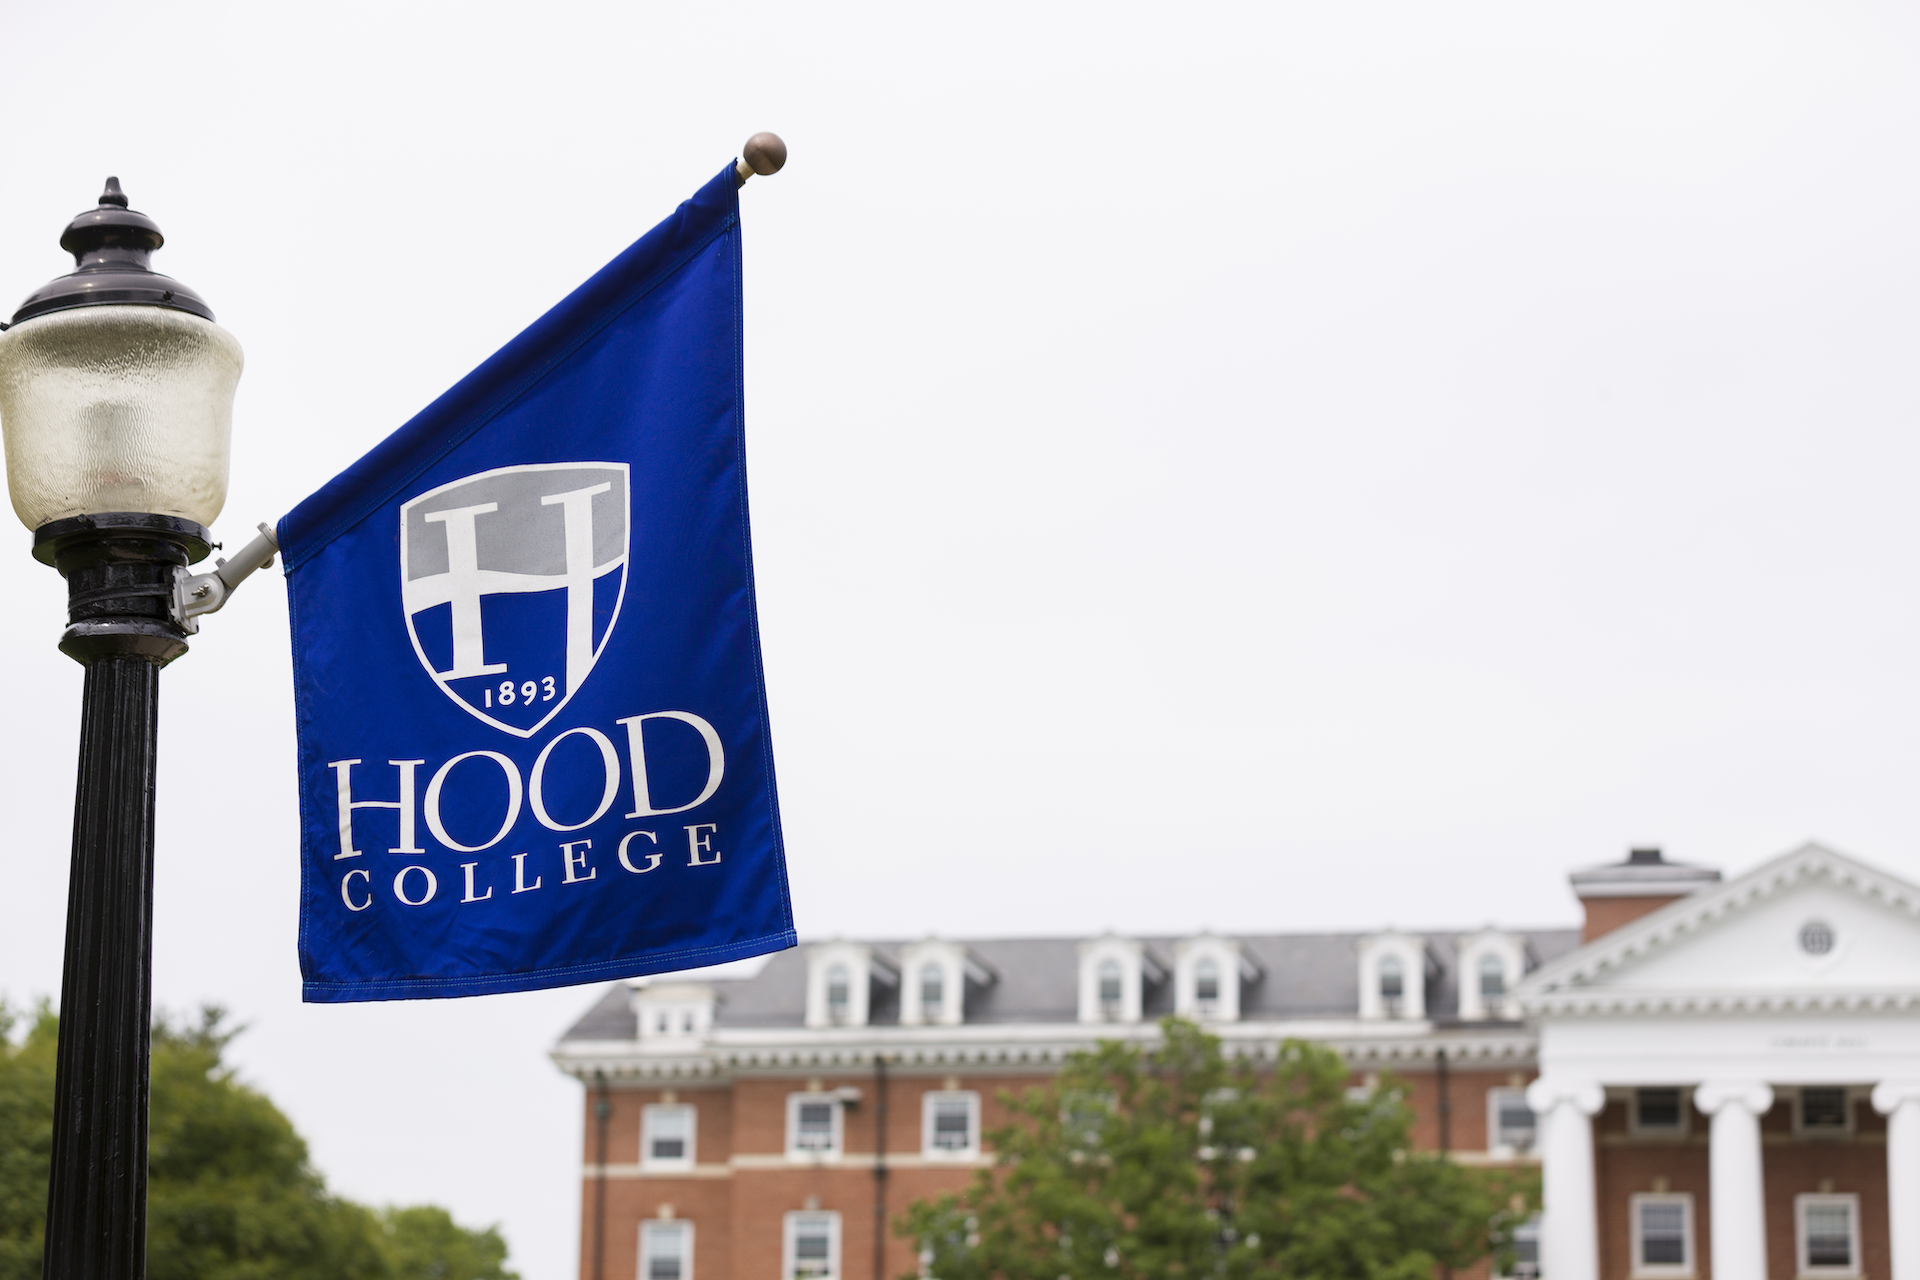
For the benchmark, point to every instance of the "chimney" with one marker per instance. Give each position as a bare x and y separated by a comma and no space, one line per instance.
1620,892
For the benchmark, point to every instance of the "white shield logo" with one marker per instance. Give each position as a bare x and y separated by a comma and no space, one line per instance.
512,581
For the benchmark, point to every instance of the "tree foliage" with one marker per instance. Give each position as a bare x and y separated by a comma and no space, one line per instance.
231,1194
1178,1162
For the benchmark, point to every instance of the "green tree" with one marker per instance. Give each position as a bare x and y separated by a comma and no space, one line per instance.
1177,1161
26,1141
423,1242
231,1194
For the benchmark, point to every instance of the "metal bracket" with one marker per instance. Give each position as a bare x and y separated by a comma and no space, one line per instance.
198,593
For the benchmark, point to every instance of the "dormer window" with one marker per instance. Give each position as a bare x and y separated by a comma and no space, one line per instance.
672,1016
938,979
839,996
1393,985
1395,970
841,977
1115,974
1493,980
1206,986
1211,975
1112,992
1491,963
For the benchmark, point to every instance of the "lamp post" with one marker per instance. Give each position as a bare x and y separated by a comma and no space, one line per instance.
116,401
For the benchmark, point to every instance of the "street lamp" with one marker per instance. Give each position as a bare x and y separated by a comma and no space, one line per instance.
116,401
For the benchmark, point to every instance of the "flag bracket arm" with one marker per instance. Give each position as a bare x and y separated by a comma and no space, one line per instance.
198,593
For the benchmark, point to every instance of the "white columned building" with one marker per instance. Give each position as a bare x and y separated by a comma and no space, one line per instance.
1779,1013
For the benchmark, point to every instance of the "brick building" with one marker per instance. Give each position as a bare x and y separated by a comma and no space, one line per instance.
1709,1072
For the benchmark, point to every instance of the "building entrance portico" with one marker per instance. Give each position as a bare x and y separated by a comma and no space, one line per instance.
1730,1081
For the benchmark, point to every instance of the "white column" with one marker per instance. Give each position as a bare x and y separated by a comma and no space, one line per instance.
1569,1223
1738,1186
1899,1102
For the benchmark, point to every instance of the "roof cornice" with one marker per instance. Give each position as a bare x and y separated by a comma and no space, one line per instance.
1041,1047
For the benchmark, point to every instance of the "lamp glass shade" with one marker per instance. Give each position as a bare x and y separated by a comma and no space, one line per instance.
117,408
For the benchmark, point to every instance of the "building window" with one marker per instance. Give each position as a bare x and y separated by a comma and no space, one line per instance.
1525,1244
950,1125
1823,1110
1206,986
1510,1123
1493,982
1816,937
666,1250
811,1248
1110,990
1393,985
1662,1236
813,1125
1659,1112
933,990
1828,1232
839,996
1084,1116
666,1137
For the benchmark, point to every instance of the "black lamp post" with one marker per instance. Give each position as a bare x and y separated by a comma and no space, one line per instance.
116,400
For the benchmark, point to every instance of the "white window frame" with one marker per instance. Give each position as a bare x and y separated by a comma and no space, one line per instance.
1208,1006
1531,1224
939,972
1800,1205
1656,1133
789,1236
1471,951
794,1150
1411,951
950,958
1688,1247
845,972
1494,1132
1231,968
652,1225
928,1104
1799,1119
864,971
1131,956
651,1163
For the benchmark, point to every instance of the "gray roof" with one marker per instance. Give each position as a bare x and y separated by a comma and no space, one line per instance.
1303,975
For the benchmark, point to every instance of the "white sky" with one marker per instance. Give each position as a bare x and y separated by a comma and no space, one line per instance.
1262,467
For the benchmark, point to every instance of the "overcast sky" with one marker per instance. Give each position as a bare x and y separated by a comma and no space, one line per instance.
1263,467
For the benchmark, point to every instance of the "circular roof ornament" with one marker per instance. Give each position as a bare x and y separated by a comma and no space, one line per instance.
1816,937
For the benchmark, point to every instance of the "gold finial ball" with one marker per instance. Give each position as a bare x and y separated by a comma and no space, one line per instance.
764,153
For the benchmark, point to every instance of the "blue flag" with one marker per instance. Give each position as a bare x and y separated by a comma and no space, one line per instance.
533,728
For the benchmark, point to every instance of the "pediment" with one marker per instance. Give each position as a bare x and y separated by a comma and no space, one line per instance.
1810,929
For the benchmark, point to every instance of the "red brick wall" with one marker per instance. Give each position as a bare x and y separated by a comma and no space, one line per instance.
1467,1096
1604,915
1855,1166
1627,1165
738,1220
